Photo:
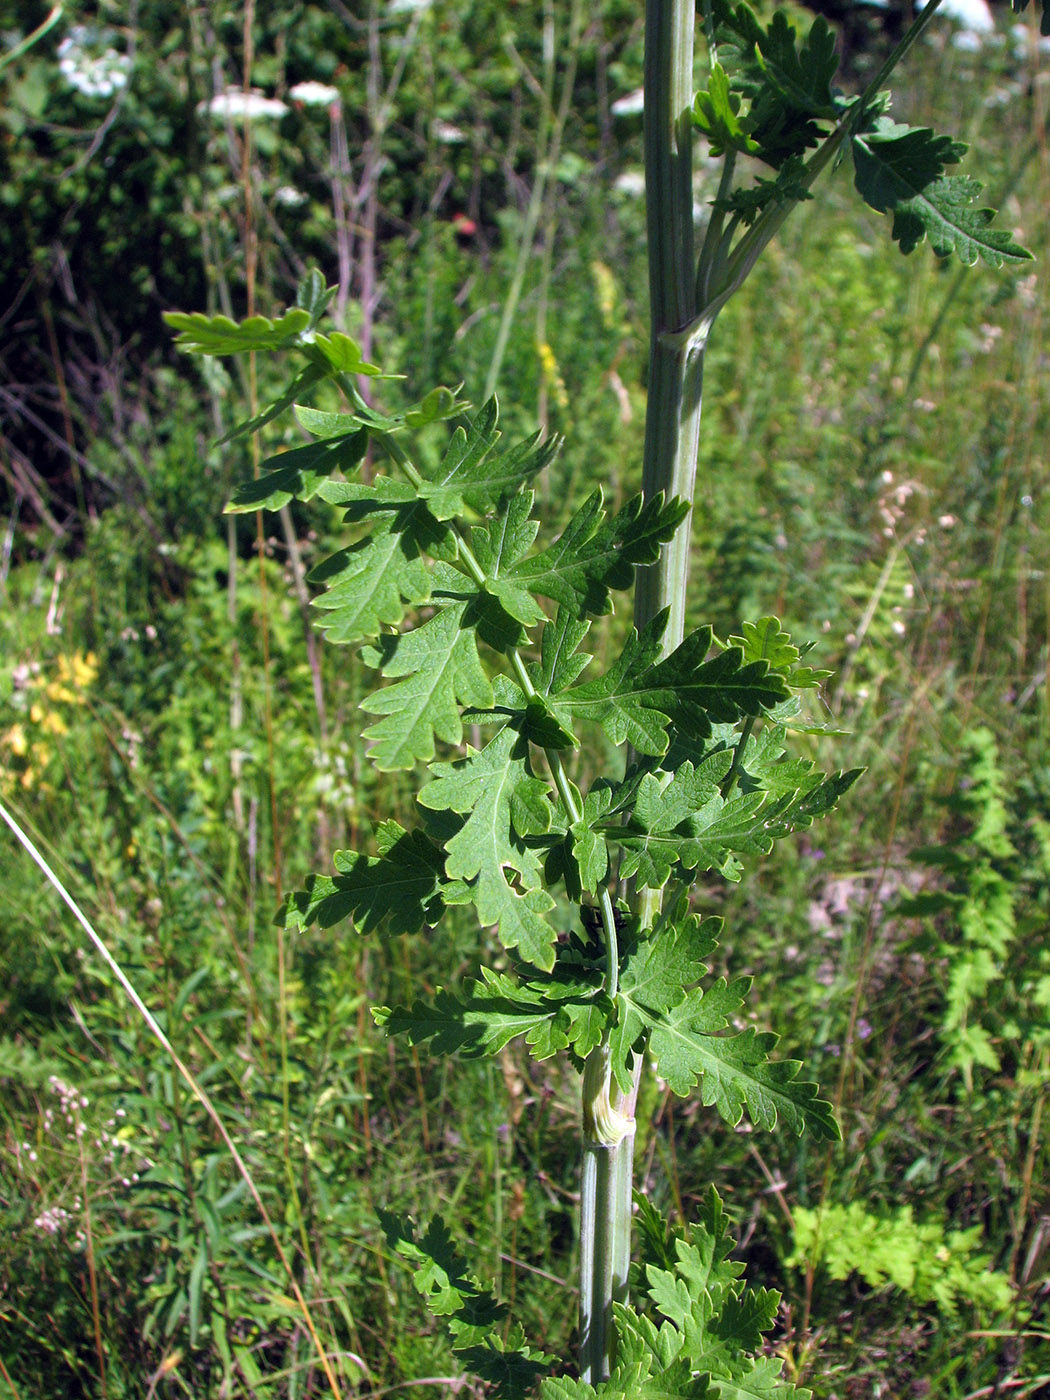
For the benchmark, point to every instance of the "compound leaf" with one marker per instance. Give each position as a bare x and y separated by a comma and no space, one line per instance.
372,582
683,1027
470,478
716,114
300,473
500,545
639,696
564,1010
735,1072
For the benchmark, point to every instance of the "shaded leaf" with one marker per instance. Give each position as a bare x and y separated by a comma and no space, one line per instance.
399,890
299,473
566,1010
900,170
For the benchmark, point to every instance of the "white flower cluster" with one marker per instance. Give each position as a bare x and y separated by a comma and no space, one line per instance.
90,68
250,105
313,94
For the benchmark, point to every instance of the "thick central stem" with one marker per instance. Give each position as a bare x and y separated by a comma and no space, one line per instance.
671,440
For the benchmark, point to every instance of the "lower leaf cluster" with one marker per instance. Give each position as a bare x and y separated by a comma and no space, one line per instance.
693,1335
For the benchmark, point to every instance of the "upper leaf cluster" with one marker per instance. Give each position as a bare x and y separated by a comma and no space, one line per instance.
771,95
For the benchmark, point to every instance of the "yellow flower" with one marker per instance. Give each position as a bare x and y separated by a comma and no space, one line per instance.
53,723
15,740
605,286
552,374
80,670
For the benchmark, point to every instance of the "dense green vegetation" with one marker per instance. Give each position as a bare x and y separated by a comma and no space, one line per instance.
873,472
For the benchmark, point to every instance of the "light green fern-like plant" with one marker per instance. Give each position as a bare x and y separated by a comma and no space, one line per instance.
996,983
938,1268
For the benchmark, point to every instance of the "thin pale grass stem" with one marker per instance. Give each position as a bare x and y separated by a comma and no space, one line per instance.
187,1075
89,1255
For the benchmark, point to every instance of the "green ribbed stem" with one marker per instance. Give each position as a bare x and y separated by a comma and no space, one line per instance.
671,440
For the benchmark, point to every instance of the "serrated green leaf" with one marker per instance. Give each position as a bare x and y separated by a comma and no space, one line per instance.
441,670
735,1073
802,76
498,546
788,85
718,690
715,113
719,1321
300,474
560,662
563,1011
684,821
219,335
439,1271
623,701
372,583
469,477
639,697
473,1024
400,890
790,186
900,170
492,786
655,971
340,354
565,1388
766,640
595,555
762,1381
510,1367
683,1029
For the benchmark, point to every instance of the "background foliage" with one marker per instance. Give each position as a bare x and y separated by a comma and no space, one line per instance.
874,473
